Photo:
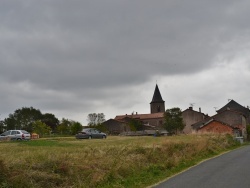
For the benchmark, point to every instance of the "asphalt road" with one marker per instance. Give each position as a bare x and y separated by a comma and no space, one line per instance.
231,170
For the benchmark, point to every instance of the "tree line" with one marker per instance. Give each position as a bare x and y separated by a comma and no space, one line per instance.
33,120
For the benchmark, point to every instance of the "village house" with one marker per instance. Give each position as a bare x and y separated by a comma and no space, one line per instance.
190,117
232,115
116,127
215,126
231,118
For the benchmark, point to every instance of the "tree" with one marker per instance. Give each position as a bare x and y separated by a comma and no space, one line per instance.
248,132
64,126
50,120
96,119
135,125
41,128
75,127
10,122
2,127
23,118
173,121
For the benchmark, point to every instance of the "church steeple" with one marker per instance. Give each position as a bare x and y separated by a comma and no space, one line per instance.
157,104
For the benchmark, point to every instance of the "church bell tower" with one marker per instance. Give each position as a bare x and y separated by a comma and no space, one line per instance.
157,104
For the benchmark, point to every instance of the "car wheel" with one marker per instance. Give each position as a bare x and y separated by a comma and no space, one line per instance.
90,137
103,137
18,139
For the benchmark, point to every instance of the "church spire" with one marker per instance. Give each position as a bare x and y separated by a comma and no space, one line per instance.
157,95
157,104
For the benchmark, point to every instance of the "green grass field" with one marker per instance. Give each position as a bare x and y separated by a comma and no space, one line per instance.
112,162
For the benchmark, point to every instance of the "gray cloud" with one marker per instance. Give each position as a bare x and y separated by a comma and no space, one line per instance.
79,56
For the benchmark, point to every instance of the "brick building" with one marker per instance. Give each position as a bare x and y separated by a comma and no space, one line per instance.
232,114
215,126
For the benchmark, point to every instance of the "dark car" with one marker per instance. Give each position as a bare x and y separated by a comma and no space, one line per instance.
90,133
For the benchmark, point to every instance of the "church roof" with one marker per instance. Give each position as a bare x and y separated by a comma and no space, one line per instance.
157,95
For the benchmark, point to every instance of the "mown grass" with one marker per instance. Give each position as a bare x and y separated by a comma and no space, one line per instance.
112,162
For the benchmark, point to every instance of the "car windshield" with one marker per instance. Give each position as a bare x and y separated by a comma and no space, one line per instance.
25,132
85,130
5,133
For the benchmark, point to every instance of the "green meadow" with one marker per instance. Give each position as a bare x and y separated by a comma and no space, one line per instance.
112,162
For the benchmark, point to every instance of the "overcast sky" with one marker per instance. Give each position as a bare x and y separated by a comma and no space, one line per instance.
75,57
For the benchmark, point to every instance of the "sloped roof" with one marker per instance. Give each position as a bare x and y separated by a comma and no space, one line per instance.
232,105
157,95
212,120
115,120
141,116
190,109
214,117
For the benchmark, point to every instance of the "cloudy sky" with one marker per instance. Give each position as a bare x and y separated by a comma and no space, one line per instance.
76,57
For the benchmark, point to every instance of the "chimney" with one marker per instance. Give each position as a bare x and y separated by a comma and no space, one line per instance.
200,109
190,108
136,113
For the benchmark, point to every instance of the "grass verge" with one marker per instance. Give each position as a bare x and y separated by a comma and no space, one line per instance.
113,162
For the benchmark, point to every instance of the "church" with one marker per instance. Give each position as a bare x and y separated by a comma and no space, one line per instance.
152,121
232,118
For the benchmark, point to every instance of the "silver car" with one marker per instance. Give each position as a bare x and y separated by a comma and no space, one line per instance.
15,135
90,133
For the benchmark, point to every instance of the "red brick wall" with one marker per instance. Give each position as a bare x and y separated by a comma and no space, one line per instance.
216,127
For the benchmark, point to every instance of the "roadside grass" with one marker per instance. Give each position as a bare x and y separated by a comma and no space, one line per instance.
112,162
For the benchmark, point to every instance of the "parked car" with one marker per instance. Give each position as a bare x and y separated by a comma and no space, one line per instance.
90,133
15,135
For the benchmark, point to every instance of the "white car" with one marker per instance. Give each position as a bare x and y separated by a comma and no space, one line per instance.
15,135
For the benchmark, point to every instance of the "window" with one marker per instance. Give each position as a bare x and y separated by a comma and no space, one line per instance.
7,133
13,132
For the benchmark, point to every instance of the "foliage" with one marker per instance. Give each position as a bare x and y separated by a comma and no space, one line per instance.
75,127
135,125
2,126
115,162
23,118
248,132
32,120
95,119
99,127
41,128
64,126
173,121
50,120
69,127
